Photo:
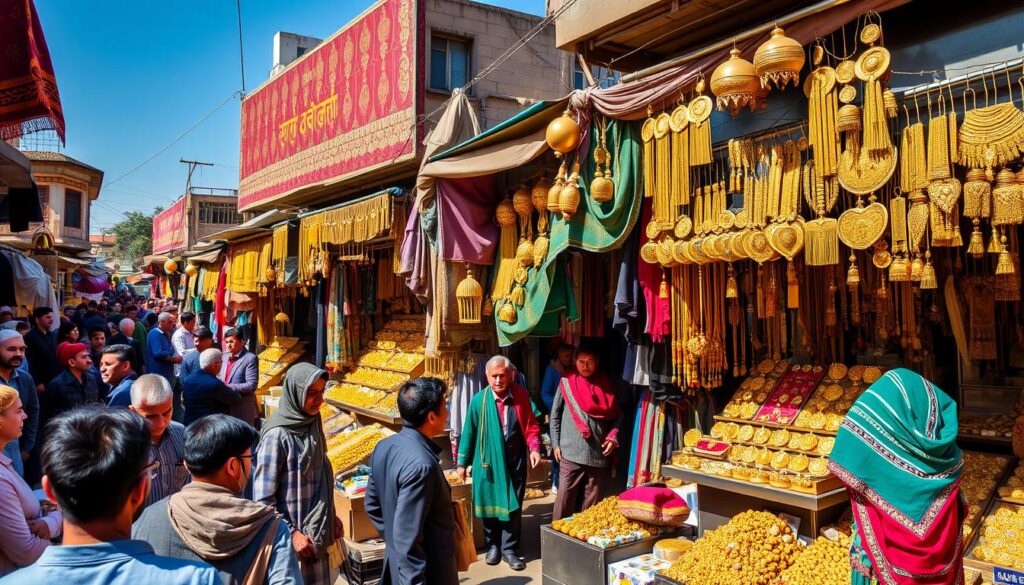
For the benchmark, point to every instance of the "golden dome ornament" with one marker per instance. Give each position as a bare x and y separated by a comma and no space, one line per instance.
563,134
469,295
539,193
191,270
736,85
170,266
779,60
505,213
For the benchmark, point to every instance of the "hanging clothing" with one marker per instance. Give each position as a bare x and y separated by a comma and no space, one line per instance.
896,452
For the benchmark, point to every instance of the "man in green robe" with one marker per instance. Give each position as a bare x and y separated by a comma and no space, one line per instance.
500,435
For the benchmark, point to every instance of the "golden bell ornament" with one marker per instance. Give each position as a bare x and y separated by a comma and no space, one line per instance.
1005,263
556,190
469,295
505,213
170,266
889,101
270,274
191,269
569,198
539,194
993,243
731,289
899,270
916,269
601,188
736,85
522,201
563,134
524,253
779,60
848,119
976,245
928,279
853,274
507,312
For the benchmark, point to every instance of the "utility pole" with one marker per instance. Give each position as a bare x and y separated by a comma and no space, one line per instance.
192,164
190,226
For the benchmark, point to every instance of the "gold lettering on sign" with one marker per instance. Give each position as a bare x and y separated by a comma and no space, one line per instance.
317,115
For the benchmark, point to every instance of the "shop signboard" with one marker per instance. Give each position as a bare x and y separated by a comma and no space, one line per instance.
169,228
345,108
1007,576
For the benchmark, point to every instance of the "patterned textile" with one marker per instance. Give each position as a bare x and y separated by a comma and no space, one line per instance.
897,454
29,100
171,476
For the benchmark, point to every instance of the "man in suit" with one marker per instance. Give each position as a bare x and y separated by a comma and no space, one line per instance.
203,393
408,498
190,363
117,371
125,330
241,373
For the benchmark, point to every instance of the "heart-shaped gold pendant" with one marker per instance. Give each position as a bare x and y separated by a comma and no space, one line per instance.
861,226
944,193
758,248
786,238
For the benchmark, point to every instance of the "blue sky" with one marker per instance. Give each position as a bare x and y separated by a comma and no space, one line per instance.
134,75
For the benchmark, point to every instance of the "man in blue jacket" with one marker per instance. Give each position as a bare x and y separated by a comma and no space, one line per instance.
203,393
408,498
160,353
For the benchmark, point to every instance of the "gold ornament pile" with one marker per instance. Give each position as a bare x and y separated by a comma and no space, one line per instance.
1001,541
978,481
823,562
348,449
601,519
753,548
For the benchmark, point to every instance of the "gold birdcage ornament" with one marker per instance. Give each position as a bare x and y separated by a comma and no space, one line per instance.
469,296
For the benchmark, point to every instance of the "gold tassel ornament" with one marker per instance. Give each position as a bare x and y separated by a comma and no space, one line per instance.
928,279
698,112
977,195
1007,204
853,274
1005,263
506,216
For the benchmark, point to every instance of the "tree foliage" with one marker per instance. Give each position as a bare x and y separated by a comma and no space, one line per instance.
133,236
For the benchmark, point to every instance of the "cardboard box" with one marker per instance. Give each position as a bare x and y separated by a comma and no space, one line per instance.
639,570
352,512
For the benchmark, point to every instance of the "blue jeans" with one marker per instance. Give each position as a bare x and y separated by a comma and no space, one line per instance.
554,472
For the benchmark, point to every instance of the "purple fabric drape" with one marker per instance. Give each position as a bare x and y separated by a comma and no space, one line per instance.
467,230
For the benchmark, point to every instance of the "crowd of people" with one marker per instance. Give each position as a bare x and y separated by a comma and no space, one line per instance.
142,437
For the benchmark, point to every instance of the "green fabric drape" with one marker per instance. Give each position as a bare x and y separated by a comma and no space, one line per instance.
595,227
494,495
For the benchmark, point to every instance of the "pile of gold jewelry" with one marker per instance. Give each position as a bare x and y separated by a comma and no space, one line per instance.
979,480
753,548
824,562
1000,541
602,519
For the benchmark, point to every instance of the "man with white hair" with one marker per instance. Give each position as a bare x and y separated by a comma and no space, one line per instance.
125,331
153,398
499,435
203,393
160,354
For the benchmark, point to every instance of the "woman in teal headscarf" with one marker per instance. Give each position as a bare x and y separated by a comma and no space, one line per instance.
896,452
291,472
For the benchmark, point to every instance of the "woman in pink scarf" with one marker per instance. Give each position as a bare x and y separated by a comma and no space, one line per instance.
585,420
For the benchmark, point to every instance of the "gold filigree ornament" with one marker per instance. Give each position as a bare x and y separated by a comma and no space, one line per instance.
848,119
699,110
736,248
683,227
870,34
861,173
872,64
664,253
786,238
678,120
991,137
945,193
861,226
649,253
758,249
726,220
679,252
881,257
845,72
847,93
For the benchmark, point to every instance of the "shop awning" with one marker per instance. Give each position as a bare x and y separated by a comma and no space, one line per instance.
26,73
206,256
154,259
257,225
522,124
140,277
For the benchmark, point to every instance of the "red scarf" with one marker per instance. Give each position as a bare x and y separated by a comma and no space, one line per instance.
928,553
595,397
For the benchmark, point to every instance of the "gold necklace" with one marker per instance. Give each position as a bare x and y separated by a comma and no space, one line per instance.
991,137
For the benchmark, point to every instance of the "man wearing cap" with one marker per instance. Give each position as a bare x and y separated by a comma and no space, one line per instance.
75,386
190,363
12,352
6,314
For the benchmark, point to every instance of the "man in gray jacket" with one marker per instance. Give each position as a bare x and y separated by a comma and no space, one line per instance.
209,521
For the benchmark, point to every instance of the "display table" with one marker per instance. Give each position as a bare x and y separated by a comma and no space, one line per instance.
367,416
568,561
717,501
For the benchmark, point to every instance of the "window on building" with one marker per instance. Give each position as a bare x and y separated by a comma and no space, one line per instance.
219,213
579,81
449,63
300,51
72,209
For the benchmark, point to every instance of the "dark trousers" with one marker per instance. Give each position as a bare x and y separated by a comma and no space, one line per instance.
579,488
505,534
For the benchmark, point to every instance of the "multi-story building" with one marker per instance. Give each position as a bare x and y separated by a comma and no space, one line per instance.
67,188
349,116
195,215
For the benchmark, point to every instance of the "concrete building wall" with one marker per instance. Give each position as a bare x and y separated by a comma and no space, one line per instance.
537,71
289,47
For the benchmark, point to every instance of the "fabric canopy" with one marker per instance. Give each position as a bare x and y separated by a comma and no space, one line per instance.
32,285
29,100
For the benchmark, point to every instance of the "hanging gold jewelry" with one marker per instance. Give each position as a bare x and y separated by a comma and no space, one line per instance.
870,67
1005,265
1007,207
853,275
602,189
820,88
928,279
991,137
917,219
698,112
861,226
977,195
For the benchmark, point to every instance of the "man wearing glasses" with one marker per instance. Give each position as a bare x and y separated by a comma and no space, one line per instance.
97,469
209,520
153,398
